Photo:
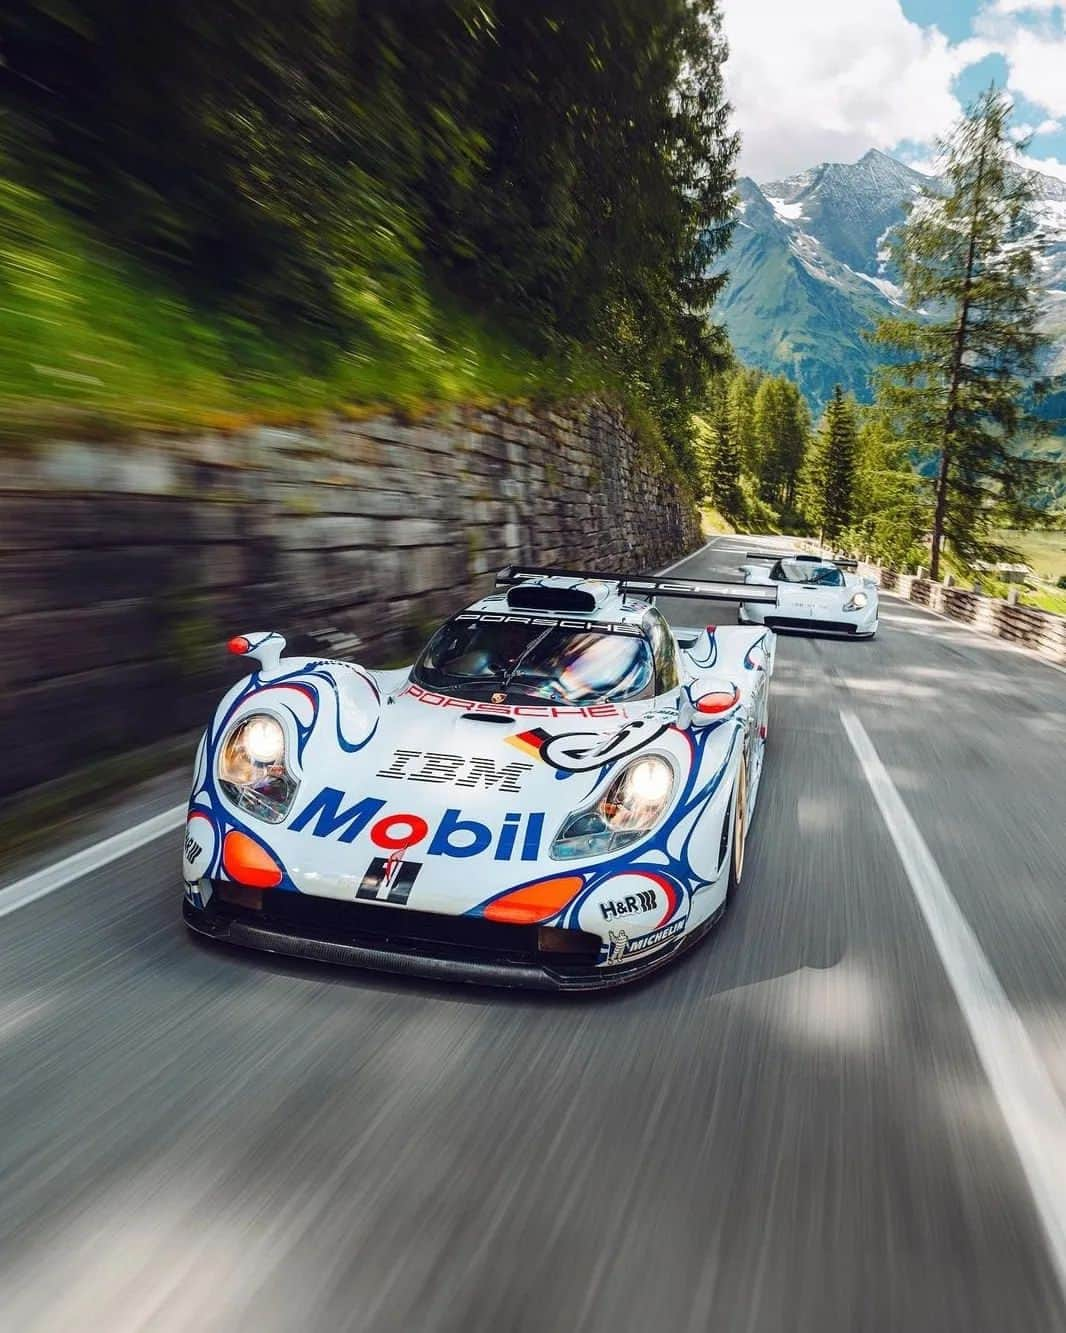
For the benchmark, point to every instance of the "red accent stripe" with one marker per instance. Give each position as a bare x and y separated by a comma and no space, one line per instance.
667,888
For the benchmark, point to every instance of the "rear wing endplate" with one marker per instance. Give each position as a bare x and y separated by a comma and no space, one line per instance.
711,590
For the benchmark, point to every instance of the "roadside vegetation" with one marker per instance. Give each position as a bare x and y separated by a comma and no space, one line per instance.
230,210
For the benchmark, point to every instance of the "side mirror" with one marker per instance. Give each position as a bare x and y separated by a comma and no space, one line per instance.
262,646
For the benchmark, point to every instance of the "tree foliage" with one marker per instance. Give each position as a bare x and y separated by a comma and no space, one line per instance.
831,468
320,169
887,507
782,427
963,367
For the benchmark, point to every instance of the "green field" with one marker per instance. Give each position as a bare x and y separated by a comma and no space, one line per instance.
1044,550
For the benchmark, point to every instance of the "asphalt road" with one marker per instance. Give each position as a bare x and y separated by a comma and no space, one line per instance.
789,1131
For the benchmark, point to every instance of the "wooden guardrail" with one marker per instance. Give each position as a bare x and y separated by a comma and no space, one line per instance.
1042,631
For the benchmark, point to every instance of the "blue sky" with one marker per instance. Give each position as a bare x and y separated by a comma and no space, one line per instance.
825,80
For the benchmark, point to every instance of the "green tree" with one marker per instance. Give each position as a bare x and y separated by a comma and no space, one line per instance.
740,411
831,475
887,505
725,472
782,430
959,378
329,172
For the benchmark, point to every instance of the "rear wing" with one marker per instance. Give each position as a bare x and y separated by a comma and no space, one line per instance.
844,562
710,590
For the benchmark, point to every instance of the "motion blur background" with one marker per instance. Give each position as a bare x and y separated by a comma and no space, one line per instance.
314,314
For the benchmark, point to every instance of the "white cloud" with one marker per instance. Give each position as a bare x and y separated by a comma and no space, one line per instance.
1048,126
1031,37
1025,6
1049,166
829,79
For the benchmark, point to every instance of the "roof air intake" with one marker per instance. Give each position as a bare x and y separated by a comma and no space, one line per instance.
537,597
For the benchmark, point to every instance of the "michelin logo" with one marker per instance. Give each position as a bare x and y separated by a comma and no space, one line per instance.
656,937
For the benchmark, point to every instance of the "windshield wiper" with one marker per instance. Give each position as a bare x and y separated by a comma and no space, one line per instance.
510,675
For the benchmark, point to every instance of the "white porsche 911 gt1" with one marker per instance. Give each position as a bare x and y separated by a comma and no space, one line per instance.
814,593
556,794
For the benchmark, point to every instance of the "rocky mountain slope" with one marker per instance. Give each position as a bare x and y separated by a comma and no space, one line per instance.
811,269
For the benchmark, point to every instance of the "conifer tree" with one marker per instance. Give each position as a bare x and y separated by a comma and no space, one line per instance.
782,428
961,372
832,473
725,471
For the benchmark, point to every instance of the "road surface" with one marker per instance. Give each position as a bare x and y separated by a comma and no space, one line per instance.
791,1131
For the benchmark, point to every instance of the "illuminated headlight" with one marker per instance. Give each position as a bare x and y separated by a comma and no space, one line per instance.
630,808
858,601
252,770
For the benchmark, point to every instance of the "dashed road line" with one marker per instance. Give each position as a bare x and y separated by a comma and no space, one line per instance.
1031,1107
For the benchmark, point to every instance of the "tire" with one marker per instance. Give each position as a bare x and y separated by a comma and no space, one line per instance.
739,840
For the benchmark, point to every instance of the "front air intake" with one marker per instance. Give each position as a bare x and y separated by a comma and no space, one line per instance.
536,597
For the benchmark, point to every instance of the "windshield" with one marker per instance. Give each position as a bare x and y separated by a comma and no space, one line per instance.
828,576
478,657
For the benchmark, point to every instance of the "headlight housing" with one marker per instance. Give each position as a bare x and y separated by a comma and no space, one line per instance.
252,768
630,808
857,602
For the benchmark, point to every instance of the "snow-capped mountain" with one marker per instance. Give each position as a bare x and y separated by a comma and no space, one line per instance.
810,269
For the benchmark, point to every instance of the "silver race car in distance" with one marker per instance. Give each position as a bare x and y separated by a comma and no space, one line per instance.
814,593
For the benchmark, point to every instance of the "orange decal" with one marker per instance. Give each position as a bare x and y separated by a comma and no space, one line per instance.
248,863
535,902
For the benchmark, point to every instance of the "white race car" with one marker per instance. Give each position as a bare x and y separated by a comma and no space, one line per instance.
556,794
814,593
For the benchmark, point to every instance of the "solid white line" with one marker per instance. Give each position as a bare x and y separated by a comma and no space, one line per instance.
1034,1114
91,859
705,547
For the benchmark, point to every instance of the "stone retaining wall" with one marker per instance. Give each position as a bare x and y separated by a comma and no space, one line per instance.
125,567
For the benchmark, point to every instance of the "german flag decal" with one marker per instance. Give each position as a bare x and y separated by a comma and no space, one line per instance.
529,742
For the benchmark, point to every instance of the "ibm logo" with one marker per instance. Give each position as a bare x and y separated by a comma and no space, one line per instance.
455,770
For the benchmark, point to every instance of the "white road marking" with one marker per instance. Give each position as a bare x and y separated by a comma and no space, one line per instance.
705,547
1033,1112
91,859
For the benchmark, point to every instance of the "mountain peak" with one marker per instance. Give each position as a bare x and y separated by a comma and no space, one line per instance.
811,267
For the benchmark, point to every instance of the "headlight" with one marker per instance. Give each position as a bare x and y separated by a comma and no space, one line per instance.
858,601
631,807
252,770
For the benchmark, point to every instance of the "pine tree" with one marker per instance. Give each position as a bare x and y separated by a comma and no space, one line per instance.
831,477
725,471
782,429
959,379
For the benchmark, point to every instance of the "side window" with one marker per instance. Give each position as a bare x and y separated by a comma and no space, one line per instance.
663,649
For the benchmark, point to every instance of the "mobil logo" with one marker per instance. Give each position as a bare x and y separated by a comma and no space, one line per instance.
330,814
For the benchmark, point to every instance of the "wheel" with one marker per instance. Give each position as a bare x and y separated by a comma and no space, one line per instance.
740,830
